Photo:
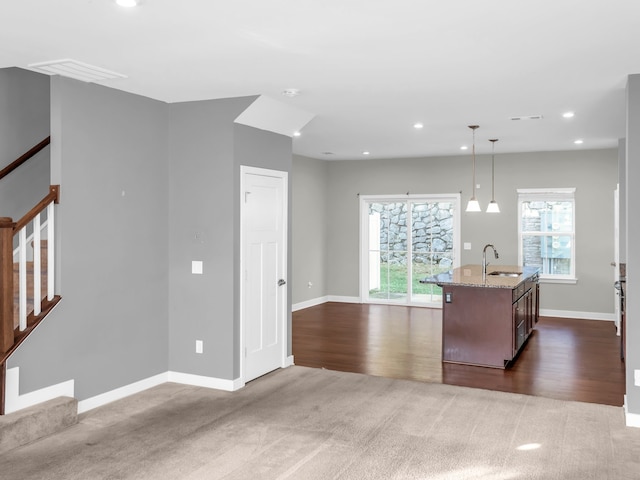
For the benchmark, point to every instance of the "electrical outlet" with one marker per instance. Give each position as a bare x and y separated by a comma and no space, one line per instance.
636,378
309,285
199,346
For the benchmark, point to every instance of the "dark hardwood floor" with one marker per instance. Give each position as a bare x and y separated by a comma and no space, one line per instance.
566,359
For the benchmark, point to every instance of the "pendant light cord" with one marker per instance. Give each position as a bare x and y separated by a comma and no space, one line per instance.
473,156
493,172
493,176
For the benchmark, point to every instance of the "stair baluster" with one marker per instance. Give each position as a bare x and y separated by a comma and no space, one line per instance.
37,267
51,245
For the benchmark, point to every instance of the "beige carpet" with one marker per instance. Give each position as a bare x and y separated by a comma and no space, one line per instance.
303,423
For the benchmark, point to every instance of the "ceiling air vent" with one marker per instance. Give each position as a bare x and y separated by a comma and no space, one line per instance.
75,69
528,117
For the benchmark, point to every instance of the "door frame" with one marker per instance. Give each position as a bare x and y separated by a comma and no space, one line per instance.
284,176
616,258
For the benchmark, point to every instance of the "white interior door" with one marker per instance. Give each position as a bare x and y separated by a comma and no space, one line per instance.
264,267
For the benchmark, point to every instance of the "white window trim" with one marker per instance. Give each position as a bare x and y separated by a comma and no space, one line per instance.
364,237
526,194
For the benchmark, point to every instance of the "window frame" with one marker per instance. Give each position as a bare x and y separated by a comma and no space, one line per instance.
554,195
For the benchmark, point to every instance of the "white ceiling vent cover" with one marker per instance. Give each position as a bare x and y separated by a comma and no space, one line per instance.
75,69
528,117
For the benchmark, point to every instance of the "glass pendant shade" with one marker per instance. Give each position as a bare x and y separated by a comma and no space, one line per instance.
473,205
493,205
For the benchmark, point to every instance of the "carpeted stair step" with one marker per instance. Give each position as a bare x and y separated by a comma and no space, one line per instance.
35,422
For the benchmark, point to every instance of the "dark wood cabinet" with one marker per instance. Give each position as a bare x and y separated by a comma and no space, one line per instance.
521,324
488,326
526,311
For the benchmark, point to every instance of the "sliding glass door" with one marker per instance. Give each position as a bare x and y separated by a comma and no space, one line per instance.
405,239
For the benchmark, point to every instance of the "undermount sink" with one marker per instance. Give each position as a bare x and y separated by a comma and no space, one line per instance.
504,274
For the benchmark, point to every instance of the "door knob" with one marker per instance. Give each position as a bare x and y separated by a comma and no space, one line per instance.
281,282
613,264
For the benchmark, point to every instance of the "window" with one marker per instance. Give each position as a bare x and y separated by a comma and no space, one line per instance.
405,239
546,232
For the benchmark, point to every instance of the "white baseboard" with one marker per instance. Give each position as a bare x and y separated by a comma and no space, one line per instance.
207,382
122,392
609,317
309,303
342,299
14,401
631,419
320,300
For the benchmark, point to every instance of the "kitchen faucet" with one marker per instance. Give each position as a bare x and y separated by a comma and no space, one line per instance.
484,258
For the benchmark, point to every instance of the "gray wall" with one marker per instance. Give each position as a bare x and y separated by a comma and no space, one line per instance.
593,173
24,122
111,327
309,245
633,239
622,183
146,188
201,227
206,151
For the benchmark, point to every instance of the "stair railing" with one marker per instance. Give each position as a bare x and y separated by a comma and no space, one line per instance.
13,333
15,241
23,158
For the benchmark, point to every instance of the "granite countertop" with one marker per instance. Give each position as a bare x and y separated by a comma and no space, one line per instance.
471,276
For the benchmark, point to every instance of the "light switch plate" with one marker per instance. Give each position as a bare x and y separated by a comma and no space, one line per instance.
636,378
467,245
199,346
196,267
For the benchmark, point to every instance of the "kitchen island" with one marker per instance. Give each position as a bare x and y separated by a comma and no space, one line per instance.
486,319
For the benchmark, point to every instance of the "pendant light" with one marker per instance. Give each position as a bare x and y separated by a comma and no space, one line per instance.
473,205
493,205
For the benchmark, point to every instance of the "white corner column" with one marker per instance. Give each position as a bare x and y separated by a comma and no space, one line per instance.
633,254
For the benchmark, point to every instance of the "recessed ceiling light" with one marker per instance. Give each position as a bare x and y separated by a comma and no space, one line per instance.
578,141
127,3
296,134
291,92
418,126
568,114
366,153
464,147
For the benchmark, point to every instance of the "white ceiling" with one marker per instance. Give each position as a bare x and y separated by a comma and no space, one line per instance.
367,69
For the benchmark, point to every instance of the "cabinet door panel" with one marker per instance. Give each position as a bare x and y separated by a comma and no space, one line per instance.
477,326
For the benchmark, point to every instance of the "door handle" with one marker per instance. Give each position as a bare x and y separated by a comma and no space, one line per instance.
281,282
